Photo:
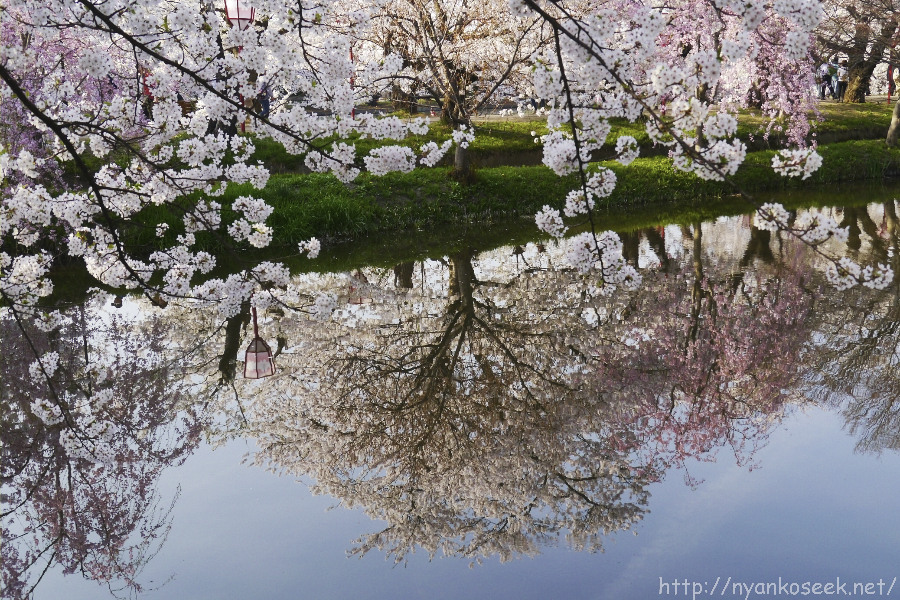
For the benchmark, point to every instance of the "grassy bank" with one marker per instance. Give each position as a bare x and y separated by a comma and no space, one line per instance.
510,141
426,213
319,205
429,199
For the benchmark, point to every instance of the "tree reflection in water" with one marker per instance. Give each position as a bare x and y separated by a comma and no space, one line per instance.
85,441
855,358
497,403
480,405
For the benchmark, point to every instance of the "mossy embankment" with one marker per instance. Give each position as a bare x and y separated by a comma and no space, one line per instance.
508,183
510,141
409,216
319,205
311,204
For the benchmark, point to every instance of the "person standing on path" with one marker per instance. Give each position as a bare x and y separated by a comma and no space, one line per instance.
843,76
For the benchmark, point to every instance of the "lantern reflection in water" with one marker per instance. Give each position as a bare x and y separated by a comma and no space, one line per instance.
258,361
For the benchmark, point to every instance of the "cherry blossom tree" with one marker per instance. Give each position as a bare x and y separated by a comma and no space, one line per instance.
112,108
461,54
862,30
114,96
701,366
435,399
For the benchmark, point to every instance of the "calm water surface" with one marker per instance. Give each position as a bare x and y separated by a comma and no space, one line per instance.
485,424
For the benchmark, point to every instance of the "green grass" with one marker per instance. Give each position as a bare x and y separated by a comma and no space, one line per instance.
307,205
491,138
429,199
509,141
426,213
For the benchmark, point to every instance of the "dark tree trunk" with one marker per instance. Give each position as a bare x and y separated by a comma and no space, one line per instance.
755,96
758,246
403,274
862,63
851,222
455,114
228,358
462,278
631,242
451,112
859,78
462,164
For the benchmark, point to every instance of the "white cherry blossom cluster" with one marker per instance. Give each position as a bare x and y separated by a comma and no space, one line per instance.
716,162
560,153
96,63
226,295
431,153
547,82
582,252
463,136
796,45
737,47
254,209
877,277
626,149
772,217
28,209
708,68
49,321
324,306
805,13
816,227
602,183
801,162
25,163
720,125
268,276
90,441
389,127
602,253
259,235
843,274
339,161
577,203
549,220
599,185
23,277
311,247
46,364
48,412
390,158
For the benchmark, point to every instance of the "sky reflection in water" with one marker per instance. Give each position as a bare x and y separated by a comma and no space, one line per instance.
810,509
